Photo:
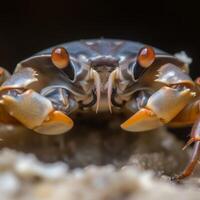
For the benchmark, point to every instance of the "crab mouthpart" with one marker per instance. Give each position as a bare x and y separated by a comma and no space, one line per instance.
104,83
111,81
97,84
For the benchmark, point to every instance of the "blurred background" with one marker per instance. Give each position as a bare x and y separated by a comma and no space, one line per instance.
30,26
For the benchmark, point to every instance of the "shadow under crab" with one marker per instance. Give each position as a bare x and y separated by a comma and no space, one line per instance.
100,142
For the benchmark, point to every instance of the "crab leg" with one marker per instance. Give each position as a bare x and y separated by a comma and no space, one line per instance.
195,137
187,117
161,108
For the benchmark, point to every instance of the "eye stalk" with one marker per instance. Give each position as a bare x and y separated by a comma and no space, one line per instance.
60,57
144,60
146,57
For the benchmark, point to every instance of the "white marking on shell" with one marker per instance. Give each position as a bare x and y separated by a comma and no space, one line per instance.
183,57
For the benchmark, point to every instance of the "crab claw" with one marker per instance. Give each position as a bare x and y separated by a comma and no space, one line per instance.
57,123
36,112
160,109
143,120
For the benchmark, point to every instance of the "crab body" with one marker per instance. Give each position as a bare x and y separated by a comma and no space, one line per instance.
99,76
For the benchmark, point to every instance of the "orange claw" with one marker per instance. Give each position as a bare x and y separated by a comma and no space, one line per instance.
143,120
57,123
161,108
36,112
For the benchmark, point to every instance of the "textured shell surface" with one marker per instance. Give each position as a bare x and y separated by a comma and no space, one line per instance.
92,48
100,55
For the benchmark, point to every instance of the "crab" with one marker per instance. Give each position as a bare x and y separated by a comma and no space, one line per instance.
102,75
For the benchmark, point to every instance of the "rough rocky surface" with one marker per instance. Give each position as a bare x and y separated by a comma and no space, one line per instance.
93,162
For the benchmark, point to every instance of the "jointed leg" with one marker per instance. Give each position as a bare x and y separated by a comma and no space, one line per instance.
192,164
195,134
195,137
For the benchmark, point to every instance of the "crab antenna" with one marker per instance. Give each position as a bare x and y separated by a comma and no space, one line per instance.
111,80
97,83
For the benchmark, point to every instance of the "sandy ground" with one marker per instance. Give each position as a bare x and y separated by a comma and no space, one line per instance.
93,164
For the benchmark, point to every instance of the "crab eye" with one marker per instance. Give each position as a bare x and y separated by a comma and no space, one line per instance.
60,57
146,57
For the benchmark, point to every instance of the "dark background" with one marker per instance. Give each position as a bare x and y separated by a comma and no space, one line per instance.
29,26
